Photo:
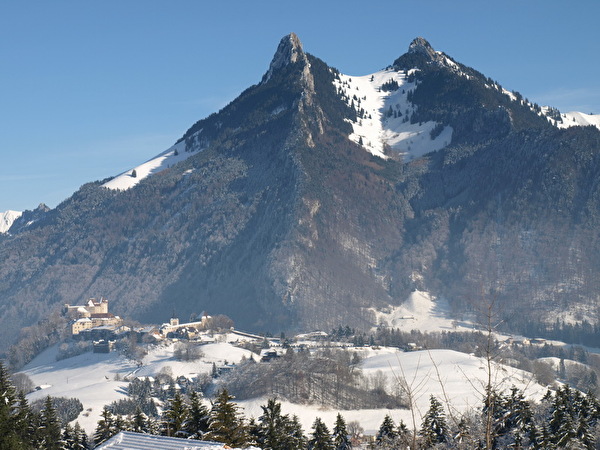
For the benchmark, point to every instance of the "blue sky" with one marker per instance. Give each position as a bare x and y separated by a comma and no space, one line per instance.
90,89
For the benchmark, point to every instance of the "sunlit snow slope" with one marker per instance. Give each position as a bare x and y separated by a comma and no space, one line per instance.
177,153
383,116
7,218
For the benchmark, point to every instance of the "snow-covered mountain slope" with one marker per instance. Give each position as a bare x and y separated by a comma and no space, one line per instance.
574,118
383,115
174,154
7,218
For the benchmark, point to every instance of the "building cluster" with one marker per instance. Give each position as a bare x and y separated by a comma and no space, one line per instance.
92,319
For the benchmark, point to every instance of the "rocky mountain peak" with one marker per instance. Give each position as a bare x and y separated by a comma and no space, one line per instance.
289,51
420,52
422,46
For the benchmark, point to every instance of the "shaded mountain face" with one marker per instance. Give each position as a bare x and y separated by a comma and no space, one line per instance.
284,218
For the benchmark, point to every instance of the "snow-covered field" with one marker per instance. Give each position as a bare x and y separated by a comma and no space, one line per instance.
455,378
421,311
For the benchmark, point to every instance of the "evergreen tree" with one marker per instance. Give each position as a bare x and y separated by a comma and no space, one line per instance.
49,432
340,434
81,439
386,436
68,437
105,428
25,420
434,429
294,436
174,417
198,415
9,437
271,426
139,421
320,437
226,425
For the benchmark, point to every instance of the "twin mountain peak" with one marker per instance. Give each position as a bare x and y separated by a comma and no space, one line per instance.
273,213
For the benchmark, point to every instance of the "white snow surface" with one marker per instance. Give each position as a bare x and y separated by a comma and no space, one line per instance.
574,119
7,218
455,378
165,160
90,377
379,130
421,311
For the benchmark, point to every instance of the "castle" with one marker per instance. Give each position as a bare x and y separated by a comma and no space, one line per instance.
91,315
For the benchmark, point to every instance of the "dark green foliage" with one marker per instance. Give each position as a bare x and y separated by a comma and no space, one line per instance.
278,431
341,440
198,417
320,438
174,417
390,85
434,429
9,414
49,434
106,427
226,424
67,409
387,434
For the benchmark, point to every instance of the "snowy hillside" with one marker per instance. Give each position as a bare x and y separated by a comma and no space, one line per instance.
455,378
383,115
421,311
96,378
7,218
574,118
167,159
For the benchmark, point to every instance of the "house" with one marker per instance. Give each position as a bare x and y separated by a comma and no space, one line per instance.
128,440
92,306
91,315
173,328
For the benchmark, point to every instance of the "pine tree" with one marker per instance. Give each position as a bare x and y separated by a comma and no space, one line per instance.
434,429
294,436
25,420
9,438
139,421
226,424
198,415
174,417
49,431
340,434
320,437
105,428
68,437
81,439
271,426
386,436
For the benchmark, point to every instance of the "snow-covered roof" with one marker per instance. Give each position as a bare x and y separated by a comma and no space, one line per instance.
127,440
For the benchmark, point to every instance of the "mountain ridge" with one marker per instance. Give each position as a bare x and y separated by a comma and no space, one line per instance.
276,213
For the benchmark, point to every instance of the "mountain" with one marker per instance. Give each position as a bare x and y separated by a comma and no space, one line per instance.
317,199
7,218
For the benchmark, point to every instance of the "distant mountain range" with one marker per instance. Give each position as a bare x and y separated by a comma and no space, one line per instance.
317,199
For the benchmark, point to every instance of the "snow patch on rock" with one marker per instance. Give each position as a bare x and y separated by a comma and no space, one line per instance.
383,125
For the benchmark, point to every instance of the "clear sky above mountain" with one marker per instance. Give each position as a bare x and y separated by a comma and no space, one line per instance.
90,89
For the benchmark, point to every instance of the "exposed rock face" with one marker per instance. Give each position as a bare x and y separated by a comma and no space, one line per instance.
420,45
289,51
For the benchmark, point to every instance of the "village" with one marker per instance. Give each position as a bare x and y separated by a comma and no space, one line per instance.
92,322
